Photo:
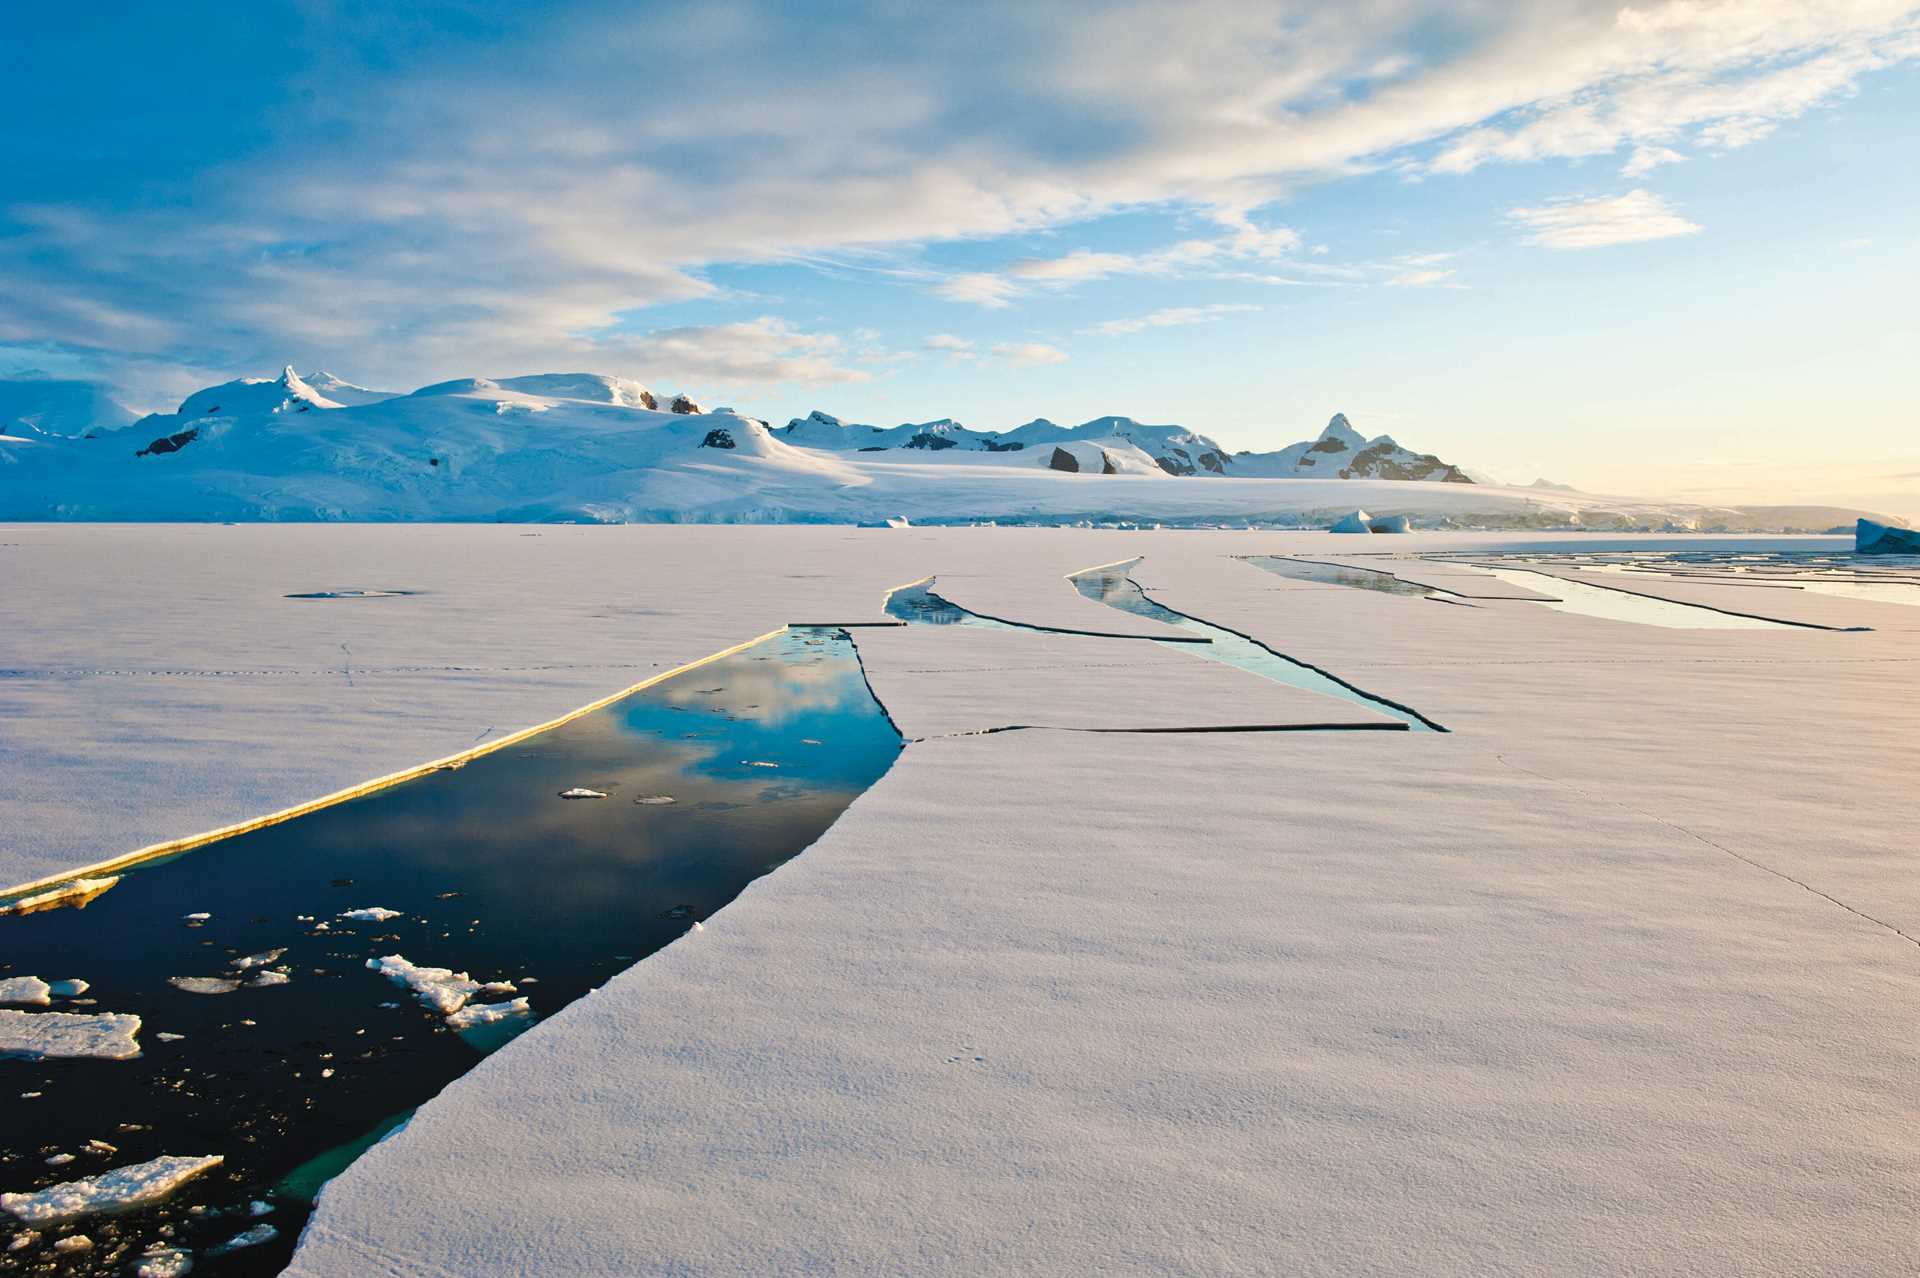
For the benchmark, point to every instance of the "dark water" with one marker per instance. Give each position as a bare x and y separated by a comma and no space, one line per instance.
495,875
1113,587
1336,575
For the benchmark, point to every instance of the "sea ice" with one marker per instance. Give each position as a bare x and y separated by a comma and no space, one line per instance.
69,989
474,1015
72,892
122,1189
248,962
581,792
164,1262
1355,522
654,800
268,978
371,914
36,1035
442,989
72,1243
23,989
204,984
246,1238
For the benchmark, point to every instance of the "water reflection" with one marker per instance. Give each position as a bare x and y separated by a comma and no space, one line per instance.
1337,575
492,873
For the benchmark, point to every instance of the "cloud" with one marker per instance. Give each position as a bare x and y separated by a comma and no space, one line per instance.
1027,353
761,352
1170,317
448,187
1645,159
1637,216
1426,278
958,348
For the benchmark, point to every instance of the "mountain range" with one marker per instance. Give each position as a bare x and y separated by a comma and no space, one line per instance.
591,448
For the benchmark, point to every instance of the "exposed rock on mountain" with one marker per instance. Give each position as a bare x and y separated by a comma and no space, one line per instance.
1344,453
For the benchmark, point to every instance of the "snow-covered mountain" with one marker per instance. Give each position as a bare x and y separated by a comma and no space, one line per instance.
1344,453
33,408
582,447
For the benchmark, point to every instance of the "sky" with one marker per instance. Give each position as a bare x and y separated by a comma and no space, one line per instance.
1666,248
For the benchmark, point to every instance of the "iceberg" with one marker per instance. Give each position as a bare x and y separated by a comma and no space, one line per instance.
1871,537
1355,522
23,989
41,1035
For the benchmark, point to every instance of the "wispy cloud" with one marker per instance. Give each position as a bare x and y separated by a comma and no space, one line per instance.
1026,353
1645,159
948,344
1171,317
1637,216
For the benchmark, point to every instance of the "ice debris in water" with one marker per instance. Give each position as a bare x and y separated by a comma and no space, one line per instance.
23,1240
442,989
759,763
196,918
165,1037
203,984
653,800
39,1035
259,1208
371,914
246,1238
23,989
268,978
69,989
73,1243
581,792
72,892
122,1189
474,1015
59,1160
164,1262
248,962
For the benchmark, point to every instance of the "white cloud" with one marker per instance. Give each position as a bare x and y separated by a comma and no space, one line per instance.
1425,278
517,196
953,347
1645,159
1594,223
1170,317
761,352
1025,353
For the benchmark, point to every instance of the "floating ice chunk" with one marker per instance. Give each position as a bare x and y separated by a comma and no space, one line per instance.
1356,522
477,1014
248,962
259,1208
246,1238
72,1243
440,988
1871,537
165,1037
23,1240
23,989
204,984
37,1035
196,918
759,763
581,792
69,989
75,892
268,978
371,914
102,1147
1390,524
653,800
59,1160
123,1189
164,1262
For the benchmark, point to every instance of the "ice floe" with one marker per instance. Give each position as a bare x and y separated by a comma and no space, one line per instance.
23,989
71,892
442,989
244,1239
371,914
122,1189
653,800
474,1015
164,1262
581,792
247,963
38,1035
268,978
204,984
69,988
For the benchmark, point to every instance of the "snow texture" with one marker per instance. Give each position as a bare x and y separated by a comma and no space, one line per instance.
442,989
474,1015
40,1035
23,990
120,1190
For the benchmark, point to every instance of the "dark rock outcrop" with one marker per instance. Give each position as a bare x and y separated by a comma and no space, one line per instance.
170,443
1063,460
718,438
682,404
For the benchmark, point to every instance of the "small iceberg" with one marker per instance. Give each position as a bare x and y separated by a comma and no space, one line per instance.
164,1262
123,1189
68,989
1390,524
244,1239
1871,537
24,989
268,978
69,1035
1355,522
474,1015
248,962
371,914
581,792
654,800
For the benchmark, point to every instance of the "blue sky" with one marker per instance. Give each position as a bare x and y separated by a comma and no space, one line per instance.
1664,248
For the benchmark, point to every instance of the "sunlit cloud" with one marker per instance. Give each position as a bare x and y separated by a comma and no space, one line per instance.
1027,353
1632,218
1172,317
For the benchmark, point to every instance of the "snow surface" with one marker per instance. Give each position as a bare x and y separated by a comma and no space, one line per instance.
120,1190
39,1035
